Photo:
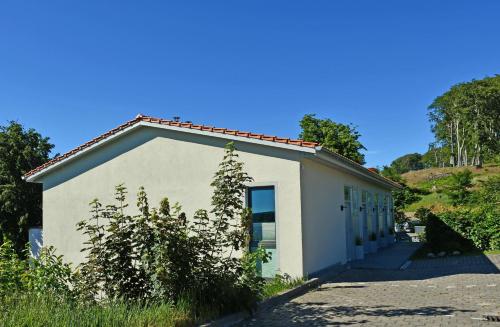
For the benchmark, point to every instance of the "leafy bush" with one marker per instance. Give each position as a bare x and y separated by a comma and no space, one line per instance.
154,268
373,236
480,226
158,255
474,226
12,269
50,275
458,190
423,214
439,236
47,275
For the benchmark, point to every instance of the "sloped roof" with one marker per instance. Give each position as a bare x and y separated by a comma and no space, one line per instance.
294,144
188,125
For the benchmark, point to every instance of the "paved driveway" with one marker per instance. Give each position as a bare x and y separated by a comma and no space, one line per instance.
453,291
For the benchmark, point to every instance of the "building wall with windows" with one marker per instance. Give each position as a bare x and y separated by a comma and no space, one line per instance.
326,236
308,204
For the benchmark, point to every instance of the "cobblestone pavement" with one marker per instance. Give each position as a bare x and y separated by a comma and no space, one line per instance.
453,291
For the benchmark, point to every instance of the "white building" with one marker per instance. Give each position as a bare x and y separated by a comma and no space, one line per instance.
309,204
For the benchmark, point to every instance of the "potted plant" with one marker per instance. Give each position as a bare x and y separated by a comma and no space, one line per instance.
360,252
373,242
382,242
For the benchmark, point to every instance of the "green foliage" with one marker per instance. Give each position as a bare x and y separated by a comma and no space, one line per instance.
403,164
473,225
12,269
392,174
44,275
373,236
465,119
336,137
488,194
481,226
279,284
423,214
48,274
158,255
436,156
458,190
358,241
20,202
25,309
404,197
440,236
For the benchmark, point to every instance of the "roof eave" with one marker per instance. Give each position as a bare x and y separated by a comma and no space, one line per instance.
352,166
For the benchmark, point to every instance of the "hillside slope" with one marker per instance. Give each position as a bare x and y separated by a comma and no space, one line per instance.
434,180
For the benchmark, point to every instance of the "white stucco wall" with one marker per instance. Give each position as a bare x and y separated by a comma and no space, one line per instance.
174,164
323,222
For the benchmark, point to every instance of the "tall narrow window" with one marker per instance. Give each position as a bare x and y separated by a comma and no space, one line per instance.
262,202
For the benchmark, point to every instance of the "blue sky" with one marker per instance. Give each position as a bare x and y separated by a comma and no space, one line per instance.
74,70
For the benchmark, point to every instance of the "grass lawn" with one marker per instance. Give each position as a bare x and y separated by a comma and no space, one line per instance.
26,310
439,201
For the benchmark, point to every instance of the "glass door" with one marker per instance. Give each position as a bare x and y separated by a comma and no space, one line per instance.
262,202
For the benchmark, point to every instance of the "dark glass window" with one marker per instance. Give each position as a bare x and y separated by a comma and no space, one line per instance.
261,201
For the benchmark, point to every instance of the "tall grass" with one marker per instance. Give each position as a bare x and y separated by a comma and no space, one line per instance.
280,284
25,310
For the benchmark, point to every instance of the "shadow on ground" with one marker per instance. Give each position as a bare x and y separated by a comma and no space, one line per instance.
425,269
322,313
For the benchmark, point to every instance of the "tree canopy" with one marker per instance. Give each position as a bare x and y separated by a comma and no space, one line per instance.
340,138
20,202
466,121
403,164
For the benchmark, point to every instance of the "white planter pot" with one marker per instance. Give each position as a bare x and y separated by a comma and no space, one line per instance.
373,246
360,252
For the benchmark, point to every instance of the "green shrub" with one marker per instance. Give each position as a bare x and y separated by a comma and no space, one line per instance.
458,189
13,270
373,236
481,226
439,236
158,255
423,214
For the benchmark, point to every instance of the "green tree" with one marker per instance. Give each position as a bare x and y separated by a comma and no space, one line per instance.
466,120
21,150
391,173
458,190
403,164
340,138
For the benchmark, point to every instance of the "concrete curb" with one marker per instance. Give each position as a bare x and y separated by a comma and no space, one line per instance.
234,318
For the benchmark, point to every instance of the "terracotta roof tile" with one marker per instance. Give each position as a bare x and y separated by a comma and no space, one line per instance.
141,118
